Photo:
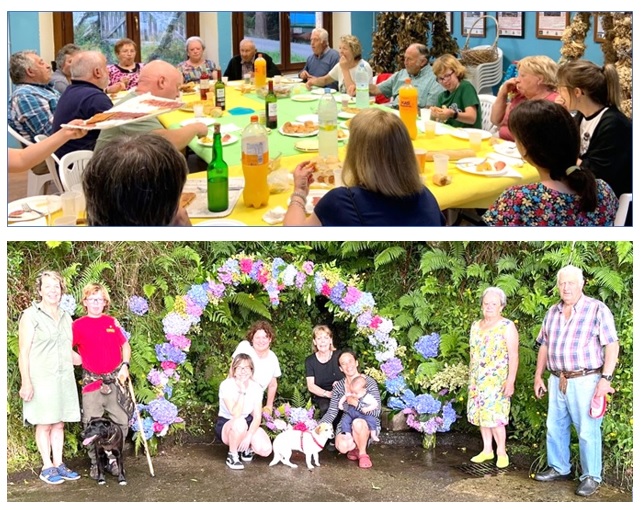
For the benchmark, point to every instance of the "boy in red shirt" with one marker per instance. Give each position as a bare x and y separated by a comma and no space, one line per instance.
105,355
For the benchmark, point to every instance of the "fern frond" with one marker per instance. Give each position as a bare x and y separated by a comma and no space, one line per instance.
250,303
608,278
388,256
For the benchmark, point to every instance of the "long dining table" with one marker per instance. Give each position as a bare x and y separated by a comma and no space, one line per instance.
466,190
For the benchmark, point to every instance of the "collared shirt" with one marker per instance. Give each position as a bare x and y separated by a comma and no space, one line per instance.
428,88
577,343
321,65
31,109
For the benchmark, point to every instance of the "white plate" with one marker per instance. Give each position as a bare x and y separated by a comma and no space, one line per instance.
298,135
303,98
291,80
507,149
229,141
344,125
313,117
229,128
463,133
307,146
37,202
345,115
221,223
469,165
208,121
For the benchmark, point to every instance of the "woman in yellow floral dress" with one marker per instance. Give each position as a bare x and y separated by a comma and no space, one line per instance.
493,348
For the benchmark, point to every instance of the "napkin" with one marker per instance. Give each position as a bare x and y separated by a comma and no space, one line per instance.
239,110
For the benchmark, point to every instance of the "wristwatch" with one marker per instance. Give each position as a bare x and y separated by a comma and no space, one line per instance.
125,363
607,377
455,114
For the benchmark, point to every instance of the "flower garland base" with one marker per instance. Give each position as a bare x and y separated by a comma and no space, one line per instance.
428,441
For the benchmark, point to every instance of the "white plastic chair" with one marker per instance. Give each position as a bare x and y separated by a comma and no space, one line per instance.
486,102
624,202
486,76
36,184
52,162
72,166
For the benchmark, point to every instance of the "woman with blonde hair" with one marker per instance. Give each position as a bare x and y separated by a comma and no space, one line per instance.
460,103
536,80
606,133
344,72
381,174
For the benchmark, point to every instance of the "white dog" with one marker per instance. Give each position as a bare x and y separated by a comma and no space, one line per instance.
310,443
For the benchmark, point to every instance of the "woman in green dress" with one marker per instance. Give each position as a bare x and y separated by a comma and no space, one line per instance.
48,388
492,373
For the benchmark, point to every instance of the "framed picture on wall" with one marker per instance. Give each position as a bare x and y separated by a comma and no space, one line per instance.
449,16
511,23
550,24
599,32
468,19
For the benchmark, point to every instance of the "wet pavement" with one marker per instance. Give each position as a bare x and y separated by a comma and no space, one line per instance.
402,471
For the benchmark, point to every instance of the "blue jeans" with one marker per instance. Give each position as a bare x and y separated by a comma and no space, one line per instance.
564,410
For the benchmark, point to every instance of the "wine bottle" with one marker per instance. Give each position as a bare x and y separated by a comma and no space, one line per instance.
217,175
271,107
219,91
204,86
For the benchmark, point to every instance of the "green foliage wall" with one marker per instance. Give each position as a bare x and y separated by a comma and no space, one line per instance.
423,287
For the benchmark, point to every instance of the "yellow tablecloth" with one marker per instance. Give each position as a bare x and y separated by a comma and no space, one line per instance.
465,191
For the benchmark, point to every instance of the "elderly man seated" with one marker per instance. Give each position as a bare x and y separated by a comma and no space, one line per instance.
244,63
136,181
162,79
416,60
61,77
323,58
83,98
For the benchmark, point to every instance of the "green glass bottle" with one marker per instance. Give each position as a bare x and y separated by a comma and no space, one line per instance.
219,91
271,107
217,175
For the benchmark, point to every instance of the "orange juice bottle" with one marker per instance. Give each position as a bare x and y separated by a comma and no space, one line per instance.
260,72
408,103
254,162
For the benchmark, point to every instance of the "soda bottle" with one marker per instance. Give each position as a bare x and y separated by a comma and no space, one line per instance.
361,84
254,163
217,175
219,91
260,72
327,114
271,107
204,86
408,103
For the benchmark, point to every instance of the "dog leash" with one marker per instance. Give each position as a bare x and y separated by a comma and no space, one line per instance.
321,446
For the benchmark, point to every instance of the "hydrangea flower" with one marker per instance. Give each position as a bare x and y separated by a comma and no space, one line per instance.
167,352
138,305
68,303
162,411
308,267
392,368
176,324
198,295
395,386
428,345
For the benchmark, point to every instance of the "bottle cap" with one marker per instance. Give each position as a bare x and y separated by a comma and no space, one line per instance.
217,127
254,118
407,81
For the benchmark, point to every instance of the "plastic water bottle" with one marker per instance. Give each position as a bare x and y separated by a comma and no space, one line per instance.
408,104
254,163
327,113
361,83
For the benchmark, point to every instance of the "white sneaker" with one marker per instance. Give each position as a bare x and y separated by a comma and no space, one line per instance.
248,455
233,462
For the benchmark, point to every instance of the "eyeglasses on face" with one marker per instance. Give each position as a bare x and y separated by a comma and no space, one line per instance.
95,301
441,79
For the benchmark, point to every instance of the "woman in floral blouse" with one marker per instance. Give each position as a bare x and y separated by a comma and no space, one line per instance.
196,63
567,194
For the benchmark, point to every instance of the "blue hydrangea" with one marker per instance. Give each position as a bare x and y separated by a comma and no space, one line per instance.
319,283
392,368
337,293
298,414
364,320
396,385
428,345
167,352
396,403
175,324
68,303
449,417
148,424
289,275
198,295
138,305
277,264
163,411
426,404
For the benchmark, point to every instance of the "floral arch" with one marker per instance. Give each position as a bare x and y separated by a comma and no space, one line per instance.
424,412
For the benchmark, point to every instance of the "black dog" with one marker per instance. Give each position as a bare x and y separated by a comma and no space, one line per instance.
107,440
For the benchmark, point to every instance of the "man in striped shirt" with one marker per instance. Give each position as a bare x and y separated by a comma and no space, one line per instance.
579,346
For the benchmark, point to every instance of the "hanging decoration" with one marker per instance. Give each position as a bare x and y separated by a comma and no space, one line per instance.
573,37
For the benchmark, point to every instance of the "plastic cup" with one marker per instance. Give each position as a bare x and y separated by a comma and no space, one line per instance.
224,79
198,110
69,203
276,80
429,129
425,115
262,117
53,205
440,164
475,140
420,155
80,200
65,221
337,174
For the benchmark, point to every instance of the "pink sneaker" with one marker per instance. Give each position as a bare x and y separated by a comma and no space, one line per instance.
597,407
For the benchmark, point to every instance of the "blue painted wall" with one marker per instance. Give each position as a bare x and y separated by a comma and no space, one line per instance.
24,32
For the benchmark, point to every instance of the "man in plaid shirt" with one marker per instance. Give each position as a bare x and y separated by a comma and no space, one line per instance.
579,347
32,102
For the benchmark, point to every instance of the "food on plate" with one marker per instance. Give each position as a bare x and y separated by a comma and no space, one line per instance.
494,140
441,180
206,140
188,87
16,214
350,109
323,170
485,166
341,134
454,154
299,128
187,198
102,117
162,103
245,88
499,165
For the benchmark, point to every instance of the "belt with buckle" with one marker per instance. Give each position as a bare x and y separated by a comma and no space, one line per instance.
564,375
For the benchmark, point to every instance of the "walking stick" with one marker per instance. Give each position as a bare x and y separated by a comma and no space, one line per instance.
140,426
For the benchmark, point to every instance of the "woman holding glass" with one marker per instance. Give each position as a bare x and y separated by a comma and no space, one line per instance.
124,75
493,344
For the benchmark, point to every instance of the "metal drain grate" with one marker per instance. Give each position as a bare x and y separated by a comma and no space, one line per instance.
480,470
